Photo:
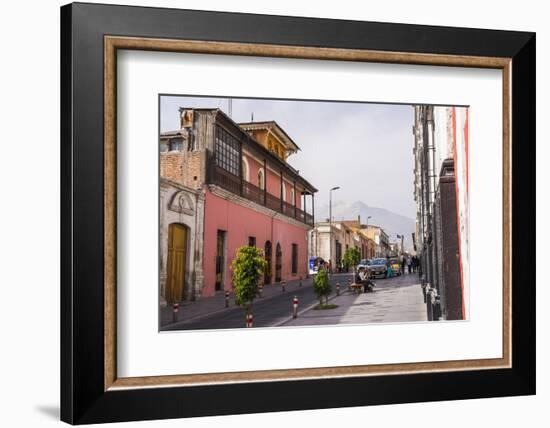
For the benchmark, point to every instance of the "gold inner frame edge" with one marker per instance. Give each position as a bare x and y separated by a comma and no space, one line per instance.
113,43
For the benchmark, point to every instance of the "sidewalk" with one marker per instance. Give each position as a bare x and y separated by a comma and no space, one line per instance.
206,306
394,300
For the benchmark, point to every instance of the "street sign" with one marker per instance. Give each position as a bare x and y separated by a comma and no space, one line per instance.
312,270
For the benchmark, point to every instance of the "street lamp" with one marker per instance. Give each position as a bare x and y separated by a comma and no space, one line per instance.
330,225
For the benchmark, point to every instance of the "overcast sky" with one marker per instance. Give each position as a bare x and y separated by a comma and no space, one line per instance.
366,149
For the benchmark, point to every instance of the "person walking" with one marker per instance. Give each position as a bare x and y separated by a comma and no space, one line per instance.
403,265
388,269
409,264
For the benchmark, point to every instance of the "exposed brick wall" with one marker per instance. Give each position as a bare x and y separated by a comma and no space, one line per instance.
186,168
195,167
171,166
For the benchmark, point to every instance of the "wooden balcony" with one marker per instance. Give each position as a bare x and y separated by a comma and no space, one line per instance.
234,184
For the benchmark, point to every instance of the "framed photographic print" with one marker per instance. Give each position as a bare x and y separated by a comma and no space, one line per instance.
308,213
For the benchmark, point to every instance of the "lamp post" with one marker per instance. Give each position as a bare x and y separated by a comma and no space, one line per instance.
330,225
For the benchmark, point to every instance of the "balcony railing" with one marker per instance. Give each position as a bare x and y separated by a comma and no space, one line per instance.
247,190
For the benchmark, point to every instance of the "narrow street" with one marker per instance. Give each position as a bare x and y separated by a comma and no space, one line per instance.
272,309
396,299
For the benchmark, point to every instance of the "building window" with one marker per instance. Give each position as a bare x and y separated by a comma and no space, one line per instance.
245,170
292,197
163,147
261,178
251,241
176,144
294,259
227,151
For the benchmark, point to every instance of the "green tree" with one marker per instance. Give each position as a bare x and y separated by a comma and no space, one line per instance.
247,267
352,257
321,285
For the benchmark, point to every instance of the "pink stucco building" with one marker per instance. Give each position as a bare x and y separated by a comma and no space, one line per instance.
251,195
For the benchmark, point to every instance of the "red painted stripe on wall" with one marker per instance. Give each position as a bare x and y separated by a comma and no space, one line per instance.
453,116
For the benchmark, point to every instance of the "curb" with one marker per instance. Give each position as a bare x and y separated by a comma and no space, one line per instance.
218,311
310,307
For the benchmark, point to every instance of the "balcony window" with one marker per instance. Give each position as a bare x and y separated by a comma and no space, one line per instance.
245,170
261,179
227,152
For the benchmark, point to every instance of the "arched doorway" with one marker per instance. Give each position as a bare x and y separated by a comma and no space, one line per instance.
177,262
278,263
267,256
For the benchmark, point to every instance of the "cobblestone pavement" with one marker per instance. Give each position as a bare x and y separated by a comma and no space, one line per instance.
396,299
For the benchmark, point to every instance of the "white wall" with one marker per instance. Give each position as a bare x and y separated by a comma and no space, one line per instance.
30,285
442,141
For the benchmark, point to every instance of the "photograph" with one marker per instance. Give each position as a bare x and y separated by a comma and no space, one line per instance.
295,213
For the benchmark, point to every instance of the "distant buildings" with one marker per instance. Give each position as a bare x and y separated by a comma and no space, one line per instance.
381,240
225,185
441,195
371,241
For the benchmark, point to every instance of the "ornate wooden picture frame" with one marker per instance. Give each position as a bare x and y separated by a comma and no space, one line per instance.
91,390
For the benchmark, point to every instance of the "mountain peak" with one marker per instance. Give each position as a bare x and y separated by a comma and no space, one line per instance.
393,223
